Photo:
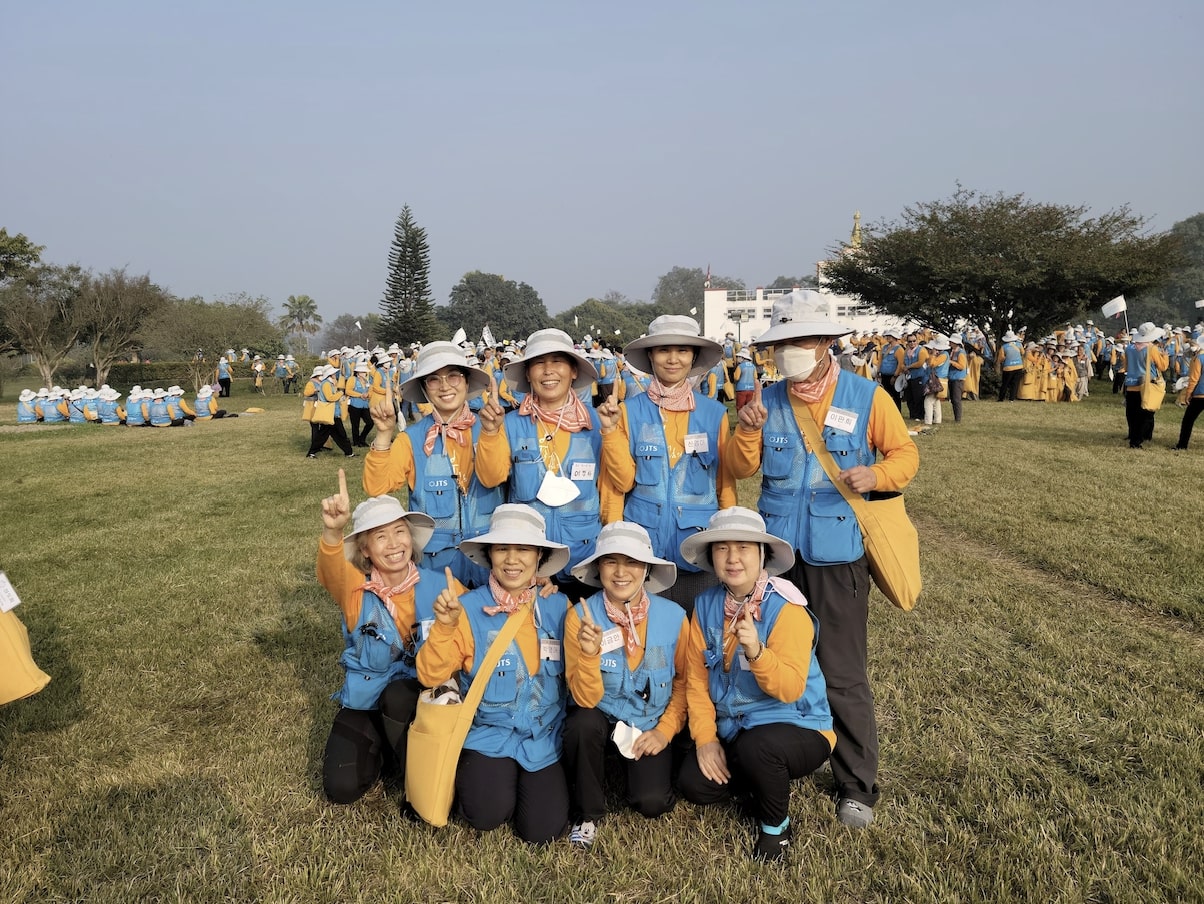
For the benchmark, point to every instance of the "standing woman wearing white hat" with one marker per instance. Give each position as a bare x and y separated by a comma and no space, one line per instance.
328,391
435,458
1141,354
387,603
509,769
624,661
358,389
663,450
863,430
1194,390
548,451
1010,360
758,703
936,363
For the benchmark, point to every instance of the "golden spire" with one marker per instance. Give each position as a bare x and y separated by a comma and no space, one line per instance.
855,239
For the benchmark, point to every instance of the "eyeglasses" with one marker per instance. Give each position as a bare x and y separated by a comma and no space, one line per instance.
455,380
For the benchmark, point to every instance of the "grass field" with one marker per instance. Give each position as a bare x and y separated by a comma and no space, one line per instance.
1040,711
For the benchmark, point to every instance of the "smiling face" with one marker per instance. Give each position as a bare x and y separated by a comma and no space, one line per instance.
551,377
737,564
514,566
671,363
447,390
622,577
390,549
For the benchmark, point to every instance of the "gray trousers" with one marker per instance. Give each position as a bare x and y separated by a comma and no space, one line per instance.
839,597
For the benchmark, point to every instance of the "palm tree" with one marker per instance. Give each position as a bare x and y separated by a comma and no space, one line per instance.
300,317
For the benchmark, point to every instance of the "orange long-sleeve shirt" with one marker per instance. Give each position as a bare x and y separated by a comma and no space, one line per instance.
584,673
887,434
781,671
388,472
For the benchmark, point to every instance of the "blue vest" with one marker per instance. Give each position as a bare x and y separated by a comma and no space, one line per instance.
673,503
1135,372
1011,355
957,373
281,370
746,376
942,370
890,363
720,372
910,357
223,370
521,715
740,703
634,387
174,409
75,408
160,415
107,411
91,406
639,697
51,413
576,523
798,501
135,414
201,407
359,385
458,516
374,654
26,413
606,371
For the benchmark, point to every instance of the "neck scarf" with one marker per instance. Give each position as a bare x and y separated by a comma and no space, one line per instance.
572,416
672,398
814,390
457,430
734,608
627,617
376,584
505,601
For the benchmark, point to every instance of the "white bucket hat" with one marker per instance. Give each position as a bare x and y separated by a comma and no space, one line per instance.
27,395
381,510
517,525
956,339
436,356
797,315
737,523
629,539
1147,332
940,344
674,329
1009,336
548,342
204,392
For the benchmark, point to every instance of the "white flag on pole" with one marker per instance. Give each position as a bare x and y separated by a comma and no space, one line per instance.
358,326
1200,303
574,320
460,336
1115,307
618,332
487,336
693,311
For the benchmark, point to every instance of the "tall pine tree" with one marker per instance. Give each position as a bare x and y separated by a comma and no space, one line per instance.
409,311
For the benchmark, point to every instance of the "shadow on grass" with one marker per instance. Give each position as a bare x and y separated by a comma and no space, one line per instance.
58,704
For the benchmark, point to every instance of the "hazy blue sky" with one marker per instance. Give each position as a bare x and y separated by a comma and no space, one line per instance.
268,147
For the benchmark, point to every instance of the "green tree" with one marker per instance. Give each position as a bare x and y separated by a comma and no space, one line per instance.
17,255
999,261
41,313
511,310
112,309
301,318
352,330
792,282
409,309
1175,302
600,318
682,288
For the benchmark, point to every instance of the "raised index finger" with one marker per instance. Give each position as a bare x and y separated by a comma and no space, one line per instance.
585,614
389,390
451,578
492,386
757,391
343,483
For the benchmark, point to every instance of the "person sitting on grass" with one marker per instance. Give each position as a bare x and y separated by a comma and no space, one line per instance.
386,602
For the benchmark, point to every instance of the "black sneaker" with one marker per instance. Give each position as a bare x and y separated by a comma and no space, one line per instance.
772,848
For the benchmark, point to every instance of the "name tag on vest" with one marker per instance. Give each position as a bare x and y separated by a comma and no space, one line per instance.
841,419
696,442
549,648
582,470
612,639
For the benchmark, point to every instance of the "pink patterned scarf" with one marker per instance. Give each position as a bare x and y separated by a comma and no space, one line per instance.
505,601
573,416
457,430
814,391
627,617
376,584
672,398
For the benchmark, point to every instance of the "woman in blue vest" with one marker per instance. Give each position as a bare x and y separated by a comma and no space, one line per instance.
387,604
624,661
745,377
509,770
435,458
26,409
547,452
1195,396
1144,359
662,451
758,703
891,364
959,364
358,389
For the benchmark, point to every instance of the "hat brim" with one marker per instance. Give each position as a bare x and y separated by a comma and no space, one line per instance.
709,353
801,329
422,528
693,548
477,549
662,573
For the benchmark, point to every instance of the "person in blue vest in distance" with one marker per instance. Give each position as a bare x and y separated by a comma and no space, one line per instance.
1011,366
757,699
869,442
75,407
745,378
175,396
223,376
624,661
108,408
26,410
160,413
547,452
435,457
608,369
509,769
891,364
137,409
663,450
387,605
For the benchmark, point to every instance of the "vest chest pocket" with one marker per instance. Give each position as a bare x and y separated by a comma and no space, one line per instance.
832,534
699,477
660,688
649,463
776,457
526,471
501,686
439,496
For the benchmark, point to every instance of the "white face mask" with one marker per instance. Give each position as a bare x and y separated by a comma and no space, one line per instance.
796,363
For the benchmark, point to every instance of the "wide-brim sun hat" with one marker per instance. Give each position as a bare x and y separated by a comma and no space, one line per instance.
629,539
549,342
674,329
436,356
940,344
514,524
1147,332
799,314
739,524
1009,336
893,334
956,339
378,511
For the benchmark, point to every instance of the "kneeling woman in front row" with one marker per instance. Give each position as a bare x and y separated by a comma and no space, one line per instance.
624,658
758,703
510,767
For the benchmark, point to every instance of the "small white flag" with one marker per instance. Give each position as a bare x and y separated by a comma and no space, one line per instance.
487,336
617,332
460,336
574,320
1200,303
1115,306
358,325
693,311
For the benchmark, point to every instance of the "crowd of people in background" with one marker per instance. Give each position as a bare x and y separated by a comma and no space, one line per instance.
157,407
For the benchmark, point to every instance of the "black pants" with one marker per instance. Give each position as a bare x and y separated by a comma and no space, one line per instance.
915,399
1141,422
586,742
225,388
361,425
839,597
1118,381
1194,406
888,383
763,761
955,398
335,431
1009,384
365,743
495,790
